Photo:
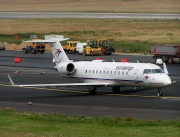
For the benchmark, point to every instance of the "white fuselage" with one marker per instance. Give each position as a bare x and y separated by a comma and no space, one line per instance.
119,74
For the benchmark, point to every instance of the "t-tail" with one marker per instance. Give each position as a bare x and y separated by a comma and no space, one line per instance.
58,52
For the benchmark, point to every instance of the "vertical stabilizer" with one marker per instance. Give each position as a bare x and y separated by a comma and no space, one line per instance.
58,53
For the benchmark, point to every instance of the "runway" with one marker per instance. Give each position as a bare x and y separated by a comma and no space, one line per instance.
139,103
87,15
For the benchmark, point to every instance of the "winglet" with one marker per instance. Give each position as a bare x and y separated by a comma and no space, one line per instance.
12,83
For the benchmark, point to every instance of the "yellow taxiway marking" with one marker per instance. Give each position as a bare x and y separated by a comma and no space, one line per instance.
100,93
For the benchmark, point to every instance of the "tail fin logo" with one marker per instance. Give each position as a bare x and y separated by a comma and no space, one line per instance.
56,56
58,52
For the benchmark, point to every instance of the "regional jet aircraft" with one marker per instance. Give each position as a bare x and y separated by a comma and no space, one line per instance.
98,73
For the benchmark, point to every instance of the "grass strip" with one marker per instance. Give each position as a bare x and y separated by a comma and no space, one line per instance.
19,124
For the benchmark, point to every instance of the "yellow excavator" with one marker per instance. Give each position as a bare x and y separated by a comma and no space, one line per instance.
91,48
105,48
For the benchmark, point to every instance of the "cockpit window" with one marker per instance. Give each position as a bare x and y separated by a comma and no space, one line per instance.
147,71
157,71
152,71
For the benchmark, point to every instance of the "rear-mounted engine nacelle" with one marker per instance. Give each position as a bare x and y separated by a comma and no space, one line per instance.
66,68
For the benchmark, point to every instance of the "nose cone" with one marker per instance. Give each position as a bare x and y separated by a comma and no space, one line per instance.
167,80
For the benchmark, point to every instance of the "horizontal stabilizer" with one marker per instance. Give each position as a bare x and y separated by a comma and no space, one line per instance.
52,40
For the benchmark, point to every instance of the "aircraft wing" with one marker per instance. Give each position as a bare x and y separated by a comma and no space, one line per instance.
58,85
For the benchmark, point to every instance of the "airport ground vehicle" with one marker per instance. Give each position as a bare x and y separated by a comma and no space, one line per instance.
34,47
91,48
70,47
105,48
79,47
168,53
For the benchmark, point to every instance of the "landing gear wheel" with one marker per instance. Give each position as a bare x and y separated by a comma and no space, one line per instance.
159,93
92,91
116,90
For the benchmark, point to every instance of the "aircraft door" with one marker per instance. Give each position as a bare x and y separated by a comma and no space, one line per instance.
136,75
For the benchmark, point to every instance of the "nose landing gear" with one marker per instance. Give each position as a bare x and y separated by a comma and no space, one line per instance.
92,90
159,92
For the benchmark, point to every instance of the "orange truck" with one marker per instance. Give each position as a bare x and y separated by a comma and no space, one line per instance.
34,47
70,46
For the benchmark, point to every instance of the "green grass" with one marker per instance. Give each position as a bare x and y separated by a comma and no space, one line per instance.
19,124
9,38
131,47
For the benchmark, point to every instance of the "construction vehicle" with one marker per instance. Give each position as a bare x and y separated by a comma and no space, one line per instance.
91,48
34,47
105,48
168,53
70,47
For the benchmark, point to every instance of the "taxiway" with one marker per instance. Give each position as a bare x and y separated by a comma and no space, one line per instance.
139,103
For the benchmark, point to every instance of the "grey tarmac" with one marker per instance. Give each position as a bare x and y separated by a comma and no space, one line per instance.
139,103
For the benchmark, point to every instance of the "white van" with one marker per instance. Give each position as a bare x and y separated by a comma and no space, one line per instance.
79,47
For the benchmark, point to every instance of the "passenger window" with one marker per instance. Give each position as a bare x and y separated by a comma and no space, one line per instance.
89,71
86,71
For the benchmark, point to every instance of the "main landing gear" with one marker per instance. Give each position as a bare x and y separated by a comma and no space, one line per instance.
92,90
116,90
159,92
